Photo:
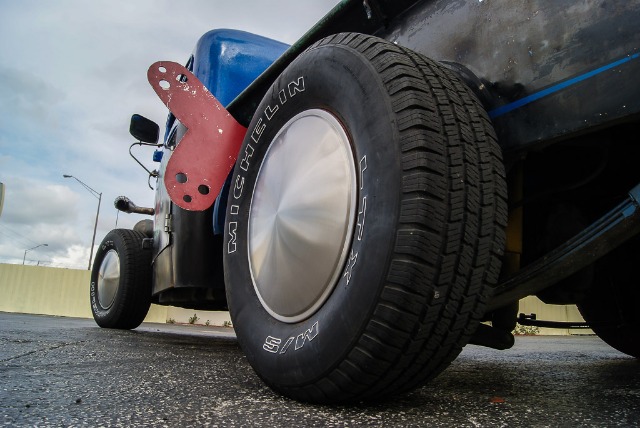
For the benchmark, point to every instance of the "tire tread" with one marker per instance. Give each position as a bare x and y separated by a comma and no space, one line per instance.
441,273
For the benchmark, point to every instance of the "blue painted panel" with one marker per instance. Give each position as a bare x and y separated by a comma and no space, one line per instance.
227,61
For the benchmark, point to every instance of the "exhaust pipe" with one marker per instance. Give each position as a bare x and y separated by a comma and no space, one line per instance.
124,204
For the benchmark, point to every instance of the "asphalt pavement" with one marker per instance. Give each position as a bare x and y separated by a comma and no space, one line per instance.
68,372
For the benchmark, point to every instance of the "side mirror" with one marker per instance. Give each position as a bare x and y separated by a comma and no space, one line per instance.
144,130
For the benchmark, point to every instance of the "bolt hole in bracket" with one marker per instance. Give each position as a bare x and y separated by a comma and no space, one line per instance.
208,151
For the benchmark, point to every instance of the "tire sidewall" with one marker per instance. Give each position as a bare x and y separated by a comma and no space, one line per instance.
339,80
105,316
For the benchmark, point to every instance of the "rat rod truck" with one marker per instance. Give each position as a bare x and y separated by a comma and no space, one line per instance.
378,195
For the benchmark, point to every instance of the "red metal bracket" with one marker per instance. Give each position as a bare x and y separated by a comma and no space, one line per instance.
208,151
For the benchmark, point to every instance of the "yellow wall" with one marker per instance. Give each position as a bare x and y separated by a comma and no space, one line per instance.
44,290
65,292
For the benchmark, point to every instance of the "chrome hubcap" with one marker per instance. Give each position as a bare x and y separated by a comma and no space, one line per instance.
301,216
108,279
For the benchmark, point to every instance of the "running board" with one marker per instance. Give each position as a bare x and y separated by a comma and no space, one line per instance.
606,234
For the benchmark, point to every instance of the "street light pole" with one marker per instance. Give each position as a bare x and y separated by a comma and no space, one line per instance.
95,226
25,251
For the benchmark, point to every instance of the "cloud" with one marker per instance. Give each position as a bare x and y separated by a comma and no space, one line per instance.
27,96
73,257
31,202
72,73
35,213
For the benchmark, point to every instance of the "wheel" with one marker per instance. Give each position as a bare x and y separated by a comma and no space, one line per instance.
364,223
120,289
610,305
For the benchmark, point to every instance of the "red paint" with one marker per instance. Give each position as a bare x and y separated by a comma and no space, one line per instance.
209,149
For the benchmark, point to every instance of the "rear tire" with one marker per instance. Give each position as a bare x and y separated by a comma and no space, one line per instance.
611,304
365,220
120,290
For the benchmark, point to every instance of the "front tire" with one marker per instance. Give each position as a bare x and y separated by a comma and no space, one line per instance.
120,290
364,224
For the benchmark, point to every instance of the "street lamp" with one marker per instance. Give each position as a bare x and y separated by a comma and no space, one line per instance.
95,226
25,251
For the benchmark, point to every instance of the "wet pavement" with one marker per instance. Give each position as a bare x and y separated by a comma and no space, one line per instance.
68,372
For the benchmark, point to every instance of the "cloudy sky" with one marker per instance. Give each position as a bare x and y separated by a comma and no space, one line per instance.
72,72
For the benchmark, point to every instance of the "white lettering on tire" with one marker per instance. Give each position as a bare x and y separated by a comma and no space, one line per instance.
272,344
